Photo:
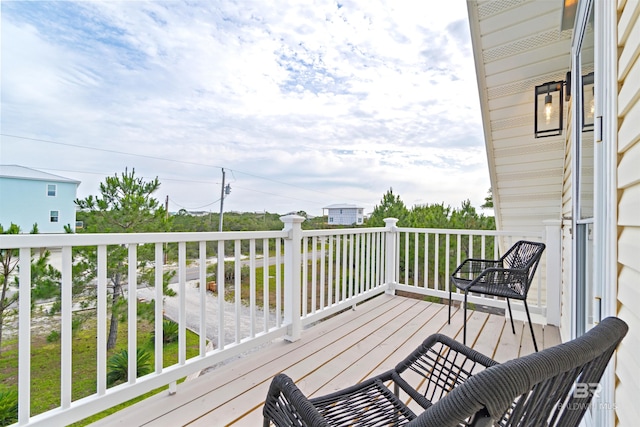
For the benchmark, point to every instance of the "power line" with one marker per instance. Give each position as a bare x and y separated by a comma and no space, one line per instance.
193,209
107,150
47,141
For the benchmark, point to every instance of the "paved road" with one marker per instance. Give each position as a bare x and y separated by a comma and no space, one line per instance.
192,307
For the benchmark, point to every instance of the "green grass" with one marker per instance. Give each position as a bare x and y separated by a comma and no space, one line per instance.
45,365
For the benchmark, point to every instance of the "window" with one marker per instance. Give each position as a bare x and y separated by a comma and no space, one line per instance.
53,216
51,190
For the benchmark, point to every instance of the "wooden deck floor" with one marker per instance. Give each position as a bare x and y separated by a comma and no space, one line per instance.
331,355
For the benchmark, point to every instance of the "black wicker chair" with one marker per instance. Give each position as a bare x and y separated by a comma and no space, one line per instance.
535,390
509,277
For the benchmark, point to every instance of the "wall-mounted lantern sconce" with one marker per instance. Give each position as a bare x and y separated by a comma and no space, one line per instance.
548,109
588,102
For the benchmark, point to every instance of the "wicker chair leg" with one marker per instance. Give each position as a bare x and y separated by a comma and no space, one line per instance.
513,328
526,307
464,322
449,321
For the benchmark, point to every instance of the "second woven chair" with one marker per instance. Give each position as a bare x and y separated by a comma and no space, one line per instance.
509,277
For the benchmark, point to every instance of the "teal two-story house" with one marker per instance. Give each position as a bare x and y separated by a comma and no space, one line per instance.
29,196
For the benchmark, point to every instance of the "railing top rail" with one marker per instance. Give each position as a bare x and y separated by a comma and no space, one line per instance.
15,241
464,231
342,231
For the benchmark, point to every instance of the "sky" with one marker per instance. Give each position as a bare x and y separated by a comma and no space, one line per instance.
304,103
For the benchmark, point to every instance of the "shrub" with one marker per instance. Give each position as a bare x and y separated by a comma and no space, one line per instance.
169,332
118,366
53,336
8,407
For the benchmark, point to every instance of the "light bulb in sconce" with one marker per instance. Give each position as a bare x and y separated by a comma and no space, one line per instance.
548,107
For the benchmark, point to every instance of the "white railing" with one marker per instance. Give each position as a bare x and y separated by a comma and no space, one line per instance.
305,275
427,257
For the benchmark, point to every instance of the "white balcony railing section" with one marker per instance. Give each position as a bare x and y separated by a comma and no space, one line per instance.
305,276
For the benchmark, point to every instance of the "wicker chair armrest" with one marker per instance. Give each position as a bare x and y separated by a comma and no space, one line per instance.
444,364
472,267
286,405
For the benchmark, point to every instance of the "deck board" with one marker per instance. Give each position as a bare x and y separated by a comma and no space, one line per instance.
331,355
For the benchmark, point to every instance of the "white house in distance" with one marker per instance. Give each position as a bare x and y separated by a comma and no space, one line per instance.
29,196
576,164
344,214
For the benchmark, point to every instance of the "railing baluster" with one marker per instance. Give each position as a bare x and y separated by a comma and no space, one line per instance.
416,256
436,266
252,288
330,274
459,249
383,263
66,327
305,277
322,272
407,261
447,253
351,264
202,252
336,287
132,313
182,301
426,260
380,253
278,282
237,288
220,286
265,283
345,266
158,324
101,321
314,272
358,257
24,337
366,262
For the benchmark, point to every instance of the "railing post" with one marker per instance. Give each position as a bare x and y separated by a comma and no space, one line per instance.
553,240
391,255
292,275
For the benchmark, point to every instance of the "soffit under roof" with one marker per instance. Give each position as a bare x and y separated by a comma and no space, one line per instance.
517,45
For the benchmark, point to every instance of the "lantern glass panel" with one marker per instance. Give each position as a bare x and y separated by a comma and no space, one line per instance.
588,102
548,109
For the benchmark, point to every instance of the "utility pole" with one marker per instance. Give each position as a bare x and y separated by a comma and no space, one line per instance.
221,200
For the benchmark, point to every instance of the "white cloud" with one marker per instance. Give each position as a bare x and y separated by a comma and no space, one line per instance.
340,102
